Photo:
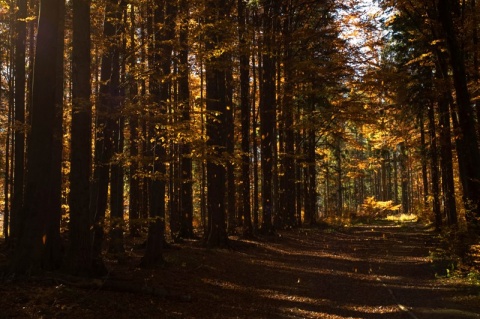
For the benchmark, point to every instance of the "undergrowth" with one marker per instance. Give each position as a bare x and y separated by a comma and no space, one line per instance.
458,255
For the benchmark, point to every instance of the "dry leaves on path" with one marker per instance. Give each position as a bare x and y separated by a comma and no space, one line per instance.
381,271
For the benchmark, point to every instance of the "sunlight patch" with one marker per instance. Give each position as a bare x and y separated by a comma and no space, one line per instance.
403,218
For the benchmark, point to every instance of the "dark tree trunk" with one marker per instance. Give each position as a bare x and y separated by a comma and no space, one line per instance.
255,200
434,167
35,251
186,196
268,115
446,155
164,14
134,179
116,244
216,69
405,185
289,188
107,114
466,116
19,135
423,154
230,148
245,207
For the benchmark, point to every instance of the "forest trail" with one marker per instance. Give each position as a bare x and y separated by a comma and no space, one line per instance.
371,271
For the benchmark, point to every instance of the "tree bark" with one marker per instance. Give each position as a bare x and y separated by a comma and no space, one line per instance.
466,116
216,89
33,253
19,123
434,167
245,208
186,197
268,116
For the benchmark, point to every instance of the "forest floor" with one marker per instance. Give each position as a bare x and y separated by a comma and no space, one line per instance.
383,270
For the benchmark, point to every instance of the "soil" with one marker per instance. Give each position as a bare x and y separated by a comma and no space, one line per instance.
368,271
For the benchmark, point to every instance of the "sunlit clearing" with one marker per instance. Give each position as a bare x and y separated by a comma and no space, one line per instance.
403,218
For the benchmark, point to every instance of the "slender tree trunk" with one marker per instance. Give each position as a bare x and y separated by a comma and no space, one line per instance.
19,135
162,59
256,201
230,148
134,179
446,159
186,199
117,123
434,167
423,154
245,207
405,185
288,108
216,68
268,116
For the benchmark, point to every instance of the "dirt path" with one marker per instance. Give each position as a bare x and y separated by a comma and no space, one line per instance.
373,272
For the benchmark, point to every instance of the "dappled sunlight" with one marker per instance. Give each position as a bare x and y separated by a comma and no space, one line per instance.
403,218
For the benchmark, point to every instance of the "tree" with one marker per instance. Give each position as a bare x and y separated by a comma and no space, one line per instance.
164,14
245,208
35,250
466,116
186,199
268,113
216,67
20,90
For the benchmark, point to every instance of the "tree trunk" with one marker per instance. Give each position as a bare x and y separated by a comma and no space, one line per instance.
186,197
434,167
216,68
116,244
405,185
268,115
288,109
33,252
134,178
466,116
446,159
230,148
162,59
245,207
19,135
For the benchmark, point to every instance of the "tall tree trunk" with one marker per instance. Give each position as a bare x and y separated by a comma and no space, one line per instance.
288,109
33,252
405,185
107,111
116,167
134,178
164,14
19,135
268,115
80,259
434,167
466,116
186,197
217,12
446,157
423,154
256,203
245,207
230,148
